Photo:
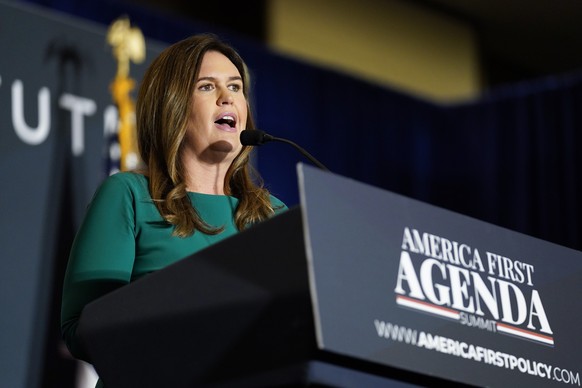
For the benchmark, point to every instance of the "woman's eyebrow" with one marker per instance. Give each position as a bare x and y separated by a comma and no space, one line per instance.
233,78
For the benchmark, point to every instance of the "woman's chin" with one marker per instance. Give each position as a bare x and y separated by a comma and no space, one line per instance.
223,149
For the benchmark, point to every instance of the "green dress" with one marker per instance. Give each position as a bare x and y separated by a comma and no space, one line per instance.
123,237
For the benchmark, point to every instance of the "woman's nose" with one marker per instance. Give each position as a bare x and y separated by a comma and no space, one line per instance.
225,97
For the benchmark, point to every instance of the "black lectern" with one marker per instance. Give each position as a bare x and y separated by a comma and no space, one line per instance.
357,288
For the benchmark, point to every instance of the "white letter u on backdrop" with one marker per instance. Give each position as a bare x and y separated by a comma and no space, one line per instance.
27,134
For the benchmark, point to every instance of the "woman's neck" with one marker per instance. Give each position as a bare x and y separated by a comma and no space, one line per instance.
206,178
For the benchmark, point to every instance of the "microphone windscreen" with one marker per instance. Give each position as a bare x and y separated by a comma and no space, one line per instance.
250,137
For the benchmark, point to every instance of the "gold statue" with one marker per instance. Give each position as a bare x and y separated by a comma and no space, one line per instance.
128,45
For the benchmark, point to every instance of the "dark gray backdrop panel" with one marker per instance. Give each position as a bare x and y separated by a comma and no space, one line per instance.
44,182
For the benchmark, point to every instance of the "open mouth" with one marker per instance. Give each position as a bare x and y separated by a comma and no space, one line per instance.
226,121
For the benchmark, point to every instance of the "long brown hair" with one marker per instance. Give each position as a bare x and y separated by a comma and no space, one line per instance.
162,109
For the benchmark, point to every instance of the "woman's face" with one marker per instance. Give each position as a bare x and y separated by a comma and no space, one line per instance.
219,111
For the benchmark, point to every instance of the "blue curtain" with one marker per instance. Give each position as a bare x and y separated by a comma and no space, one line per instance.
509,158
517,151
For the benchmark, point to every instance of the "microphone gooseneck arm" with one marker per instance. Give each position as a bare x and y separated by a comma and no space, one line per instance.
302,151
257,137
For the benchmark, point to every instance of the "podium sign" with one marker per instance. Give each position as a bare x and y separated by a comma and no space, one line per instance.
401,283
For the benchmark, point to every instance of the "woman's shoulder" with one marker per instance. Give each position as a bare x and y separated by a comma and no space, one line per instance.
277,204
125,182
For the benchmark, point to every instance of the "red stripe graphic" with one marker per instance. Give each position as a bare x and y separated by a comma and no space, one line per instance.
454,314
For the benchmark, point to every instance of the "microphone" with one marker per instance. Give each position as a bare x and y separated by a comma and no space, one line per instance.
255,137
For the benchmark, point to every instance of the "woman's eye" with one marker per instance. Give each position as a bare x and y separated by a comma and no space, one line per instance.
235,87
205,87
